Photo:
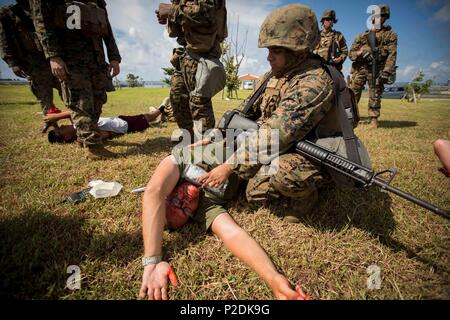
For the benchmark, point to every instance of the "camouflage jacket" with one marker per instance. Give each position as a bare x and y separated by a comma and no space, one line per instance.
198,25
294,105
324,49
45,13
386,41
17,36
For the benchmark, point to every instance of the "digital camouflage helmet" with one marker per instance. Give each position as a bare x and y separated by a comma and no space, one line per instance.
293,27
384,9
329,14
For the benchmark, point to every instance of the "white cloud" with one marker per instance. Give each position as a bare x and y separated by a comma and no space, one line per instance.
443,14
438,71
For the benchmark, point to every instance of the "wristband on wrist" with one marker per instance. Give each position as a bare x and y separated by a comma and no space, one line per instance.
151,260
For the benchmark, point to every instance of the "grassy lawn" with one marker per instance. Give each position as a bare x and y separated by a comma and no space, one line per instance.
328,253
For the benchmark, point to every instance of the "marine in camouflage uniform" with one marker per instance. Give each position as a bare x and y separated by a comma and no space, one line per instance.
21,50
361,55
297,99
82,52
332,46
199,27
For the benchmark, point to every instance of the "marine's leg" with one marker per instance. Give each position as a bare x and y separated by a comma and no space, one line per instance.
296,179
358,80
375,94
179,100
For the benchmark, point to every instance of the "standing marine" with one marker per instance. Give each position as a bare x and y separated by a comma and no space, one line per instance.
374,61
22,51
332,46
200,28
72,34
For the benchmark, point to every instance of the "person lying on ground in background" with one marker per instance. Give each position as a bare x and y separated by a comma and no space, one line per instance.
108,127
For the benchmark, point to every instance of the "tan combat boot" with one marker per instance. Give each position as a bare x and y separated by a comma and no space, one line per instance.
374,123
98,152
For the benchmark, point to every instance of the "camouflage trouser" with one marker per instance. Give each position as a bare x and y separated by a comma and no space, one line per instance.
170,114
85,93
42,83
359,78
186,107
297,179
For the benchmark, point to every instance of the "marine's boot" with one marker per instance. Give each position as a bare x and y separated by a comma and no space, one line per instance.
374,123
98,152
298,209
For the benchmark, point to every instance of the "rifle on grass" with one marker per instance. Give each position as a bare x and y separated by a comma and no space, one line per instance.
363,177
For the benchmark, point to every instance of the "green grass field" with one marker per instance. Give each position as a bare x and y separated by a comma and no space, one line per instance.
328,253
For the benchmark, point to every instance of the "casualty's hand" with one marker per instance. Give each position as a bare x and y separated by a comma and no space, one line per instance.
114,66
163,12
155,281
283,291
18,71
52,117
59,68
216,177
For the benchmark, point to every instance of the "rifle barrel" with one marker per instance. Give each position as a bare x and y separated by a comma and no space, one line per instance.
383,185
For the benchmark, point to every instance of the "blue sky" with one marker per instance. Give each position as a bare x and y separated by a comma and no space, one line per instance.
421,26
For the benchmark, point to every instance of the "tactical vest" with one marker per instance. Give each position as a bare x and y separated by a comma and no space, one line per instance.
202,39
93,17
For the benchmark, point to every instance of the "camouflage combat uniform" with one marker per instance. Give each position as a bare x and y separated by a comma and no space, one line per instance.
19,47
82,51
294,103
200,27
324,49
362,69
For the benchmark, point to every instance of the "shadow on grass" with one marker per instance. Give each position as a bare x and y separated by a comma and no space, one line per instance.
38,246
366,210
390,123
18,103
149,147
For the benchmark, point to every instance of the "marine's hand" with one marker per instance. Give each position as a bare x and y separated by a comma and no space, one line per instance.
155,280
114,66
384,76
59,68
337,60
18,71
366,55
216,177
163,12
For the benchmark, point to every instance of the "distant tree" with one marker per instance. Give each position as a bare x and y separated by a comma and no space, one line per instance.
167,72
132,80
417,87
232,80
233,54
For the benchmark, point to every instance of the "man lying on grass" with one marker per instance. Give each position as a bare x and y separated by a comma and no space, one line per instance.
108,127
170,201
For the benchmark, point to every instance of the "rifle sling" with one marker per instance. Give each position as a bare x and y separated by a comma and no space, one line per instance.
350,139
255,96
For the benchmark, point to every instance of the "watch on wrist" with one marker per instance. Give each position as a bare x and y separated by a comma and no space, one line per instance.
151,260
